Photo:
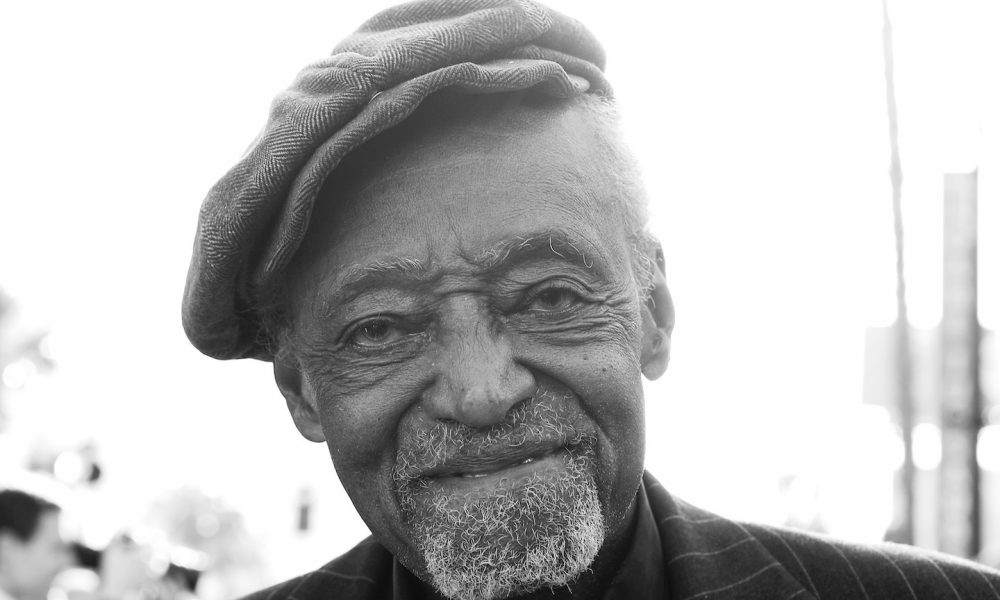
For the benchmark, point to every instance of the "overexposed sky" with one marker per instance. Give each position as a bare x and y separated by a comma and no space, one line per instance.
762,130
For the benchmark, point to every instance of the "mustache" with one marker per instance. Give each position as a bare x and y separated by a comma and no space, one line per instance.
545,421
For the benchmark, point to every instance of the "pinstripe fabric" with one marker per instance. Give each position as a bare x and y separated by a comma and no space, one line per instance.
711,557
681,552
255,217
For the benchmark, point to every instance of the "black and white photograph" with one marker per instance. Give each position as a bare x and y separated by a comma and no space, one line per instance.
500,299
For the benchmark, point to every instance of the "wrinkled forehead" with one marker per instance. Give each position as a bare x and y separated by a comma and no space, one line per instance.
487,161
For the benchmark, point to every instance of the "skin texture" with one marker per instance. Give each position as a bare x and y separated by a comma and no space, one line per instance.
475,256
27,567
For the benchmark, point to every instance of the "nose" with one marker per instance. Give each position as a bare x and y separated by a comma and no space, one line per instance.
477,380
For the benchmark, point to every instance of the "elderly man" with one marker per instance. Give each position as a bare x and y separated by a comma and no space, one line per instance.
439,239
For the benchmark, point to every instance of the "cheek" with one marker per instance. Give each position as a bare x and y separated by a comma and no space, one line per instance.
603,371
362,428
609,386
361,423
359,426
605,376
615,402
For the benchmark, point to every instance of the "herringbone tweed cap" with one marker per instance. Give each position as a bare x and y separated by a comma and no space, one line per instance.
255,218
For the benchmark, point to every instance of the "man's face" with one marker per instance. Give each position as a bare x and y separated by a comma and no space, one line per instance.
30,565
468,330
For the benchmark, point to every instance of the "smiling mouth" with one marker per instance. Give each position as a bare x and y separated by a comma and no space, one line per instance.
479,474
487,470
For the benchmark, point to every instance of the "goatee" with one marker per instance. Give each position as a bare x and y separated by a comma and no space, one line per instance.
540,531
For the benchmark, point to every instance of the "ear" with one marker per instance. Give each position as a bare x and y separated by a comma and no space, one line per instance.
657,322
299,396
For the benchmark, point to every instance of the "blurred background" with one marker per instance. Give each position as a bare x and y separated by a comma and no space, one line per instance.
796,394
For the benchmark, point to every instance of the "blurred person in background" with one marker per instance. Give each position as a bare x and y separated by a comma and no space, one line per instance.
126,571
34,552
134,570
32,549
439,240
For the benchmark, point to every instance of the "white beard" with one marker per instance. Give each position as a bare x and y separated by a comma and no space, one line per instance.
516,540
517,537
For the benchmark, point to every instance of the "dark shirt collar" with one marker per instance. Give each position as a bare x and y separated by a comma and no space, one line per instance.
641,572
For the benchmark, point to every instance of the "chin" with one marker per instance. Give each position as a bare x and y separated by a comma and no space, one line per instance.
511,535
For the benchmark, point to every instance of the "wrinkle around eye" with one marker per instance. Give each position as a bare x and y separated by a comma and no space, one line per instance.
571,294
601,315
352,377
561,318
588,328
348,370
376,337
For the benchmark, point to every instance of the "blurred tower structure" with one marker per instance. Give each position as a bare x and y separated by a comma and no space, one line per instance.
915,499
960,513
950,489
902,364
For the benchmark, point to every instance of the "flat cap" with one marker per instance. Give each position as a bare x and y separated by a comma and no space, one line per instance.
255,218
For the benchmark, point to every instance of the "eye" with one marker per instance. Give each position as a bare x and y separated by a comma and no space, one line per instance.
375,332
553,299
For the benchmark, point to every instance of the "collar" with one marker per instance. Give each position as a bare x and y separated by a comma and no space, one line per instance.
708,556
641,573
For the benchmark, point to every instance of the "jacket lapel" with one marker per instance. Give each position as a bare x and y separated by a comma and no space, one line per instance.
708,557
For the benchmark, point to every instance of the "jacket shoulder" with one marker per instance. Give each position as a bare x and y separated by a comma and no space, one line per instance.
363,572
711,557
835,568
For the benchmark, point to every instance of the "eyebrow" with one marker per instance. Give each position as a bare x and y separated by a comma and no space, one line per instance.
391,267
408,271
545,244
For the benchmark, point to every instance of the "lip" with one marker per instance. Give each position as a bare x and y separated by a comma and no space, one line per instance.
496,466
477,468
488,474
498,459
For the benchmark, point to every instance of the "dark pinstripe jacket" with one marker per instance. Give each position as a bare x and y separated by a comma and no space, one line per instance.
683,553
